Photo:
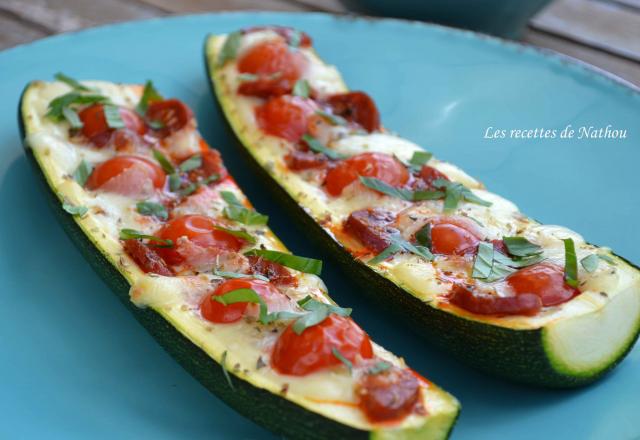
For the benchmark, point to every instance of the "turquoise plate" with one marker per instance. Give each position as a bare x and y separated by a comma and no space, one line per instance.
75,365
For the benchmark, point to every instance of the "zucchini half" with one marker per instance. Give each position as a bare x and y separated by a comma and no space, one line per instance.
250,394
573,345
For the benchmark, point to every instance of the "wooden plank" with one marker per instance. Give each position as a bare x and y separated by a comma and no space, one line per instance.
192,6
13,32
594,23
69,15
624,68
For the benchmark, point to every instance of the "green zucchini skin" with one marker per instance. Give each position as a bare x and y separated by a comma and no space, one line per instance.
271,411
516,355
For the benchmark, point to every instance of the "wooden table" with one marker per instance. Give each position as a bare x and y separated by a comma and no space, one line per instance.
605,33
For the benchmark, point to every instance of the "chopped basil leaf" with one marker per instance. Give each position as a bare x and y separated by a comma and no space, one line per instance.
235,275
385,188
174,182
230,48
570,263
149,94
244,235
244,295
164,162
302,264
590,262
418,159
153,209
112,116
423,236
72,117
188,190
295,37
82,173
427,195
301,88
342,359
607,258
319,311
223,365
212,178
75,210
315,145
521,247
248,77
238,212
56,106
127,234
399,244
73,83
390,250
191,164
483,262
517,261
455,193
379,367
331,118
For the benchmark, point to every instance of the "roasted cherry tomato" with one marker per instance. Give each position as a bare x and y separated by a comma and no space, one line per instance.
276,66
212,165
545,280
285,117
485,304
313,349
453,236
388,396
200,230
356,107
113,167
379,165
215,311
96,129
171,114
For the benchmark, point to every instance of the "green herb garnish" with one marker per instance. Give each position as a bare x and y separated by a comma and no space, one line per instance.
236,275
483,262
251,296
342,359
301,264
72,117
570,263
590,262
331,118
301,88
191,164
521,247
223,365
423,236
379,367
455,193
315,145
149,94
244,235
248,77
398,244
56,107
385,188
74,209
82,173
127,234
71,82
164,162
318,312
238,212
112,116
230,48
419,159
153,209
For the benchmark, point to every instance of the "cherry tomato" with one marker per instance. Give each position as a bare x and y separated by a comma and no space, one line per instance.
356,107
277,67
312,350
381,166
453,236
96,129
200,230
430,174
148,260
211,166
545,280
116,165
172,114
215,311
285,117
388,396
527,304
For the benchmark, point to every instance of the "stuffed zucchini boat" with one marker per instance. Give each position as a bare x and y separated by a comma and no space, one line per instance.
525,301
155,212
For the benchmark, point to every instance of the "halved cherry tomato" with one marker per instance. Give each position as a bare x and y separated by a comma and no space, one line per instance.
200,230
215,311
545,280
356,107
312,350
285,32
172,114
453,235
277,67
285,117
388,396
96,129
116,165
379,165
527,304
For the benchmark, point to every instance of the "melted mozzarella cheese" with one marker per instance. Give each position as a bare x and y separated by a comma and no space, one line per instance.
177,298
